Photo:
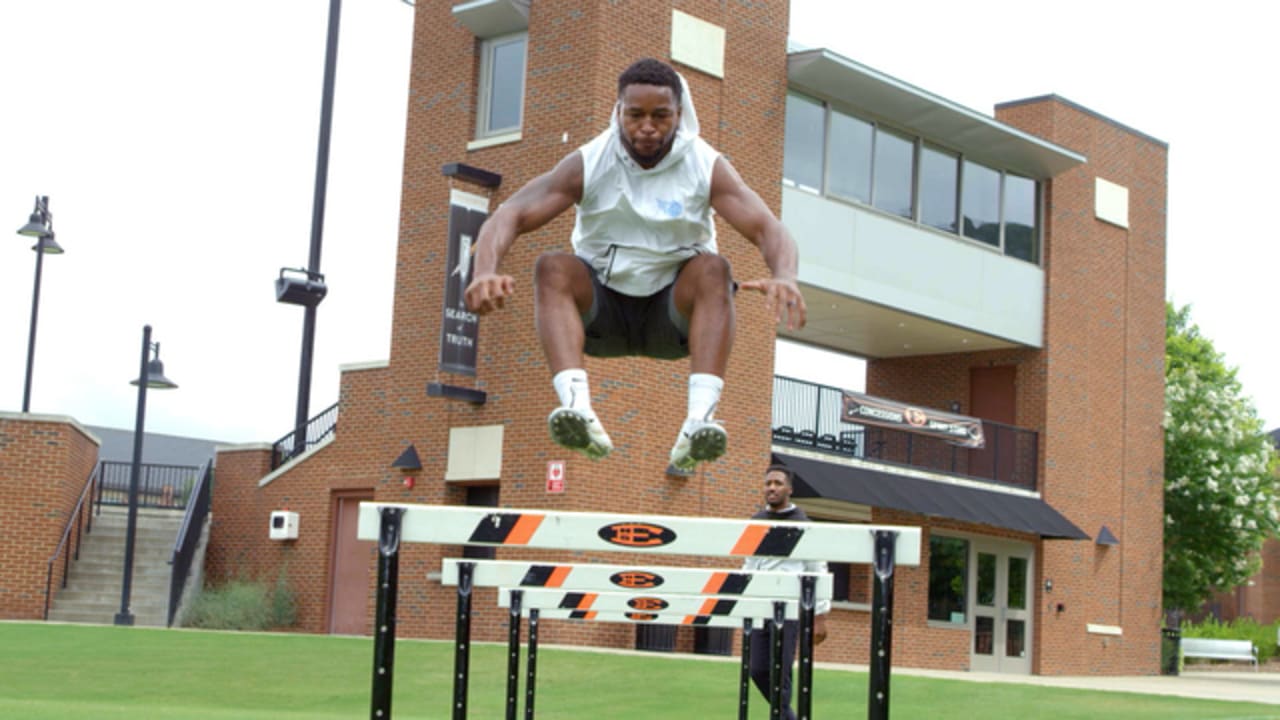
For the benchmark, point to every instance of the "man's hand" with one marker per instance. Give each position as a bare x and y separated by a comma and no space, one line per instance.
489,292
782,297
819,629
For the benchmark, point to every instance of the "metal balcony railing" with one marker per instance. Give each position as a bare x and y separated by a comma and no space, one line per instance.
318,428
807,415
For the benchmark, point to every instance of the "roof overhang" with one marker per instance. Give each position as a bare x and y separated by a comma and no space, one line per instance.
836,481
831,76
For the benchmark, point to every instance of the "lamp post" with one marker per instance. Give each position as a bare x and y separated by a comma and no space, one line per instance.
150,375
40,227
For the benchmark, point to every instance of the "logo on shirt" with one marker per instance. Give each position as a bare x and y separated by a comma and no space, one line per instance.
672,208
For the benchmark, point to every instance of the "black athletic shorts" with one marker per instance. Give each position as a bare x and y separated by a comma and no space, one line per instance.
618,324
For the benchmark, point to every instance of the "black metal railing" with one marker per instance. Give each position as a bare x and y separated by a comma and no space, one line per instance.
81,521
159,486
318,428
184,548
807,415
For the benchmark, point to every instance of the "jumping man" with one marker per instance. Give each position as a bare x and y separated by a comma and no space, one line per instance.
644,277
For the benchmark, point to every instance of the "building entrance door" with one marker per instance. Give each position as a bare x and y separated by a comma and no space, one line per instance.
350,567
1000,585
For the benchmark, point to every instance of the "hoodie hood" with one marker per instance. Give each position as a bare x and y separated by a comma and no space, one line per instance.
686,131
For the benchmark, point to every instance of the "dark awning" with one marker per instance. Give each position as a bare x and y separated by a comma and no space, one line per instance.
833,481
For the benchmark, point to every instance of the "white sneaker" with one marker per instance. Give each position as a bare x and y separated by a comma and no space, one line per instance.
579,429
699,441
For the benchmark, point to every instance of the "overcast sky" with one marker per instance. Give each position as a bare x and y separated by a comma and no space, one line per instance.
177,143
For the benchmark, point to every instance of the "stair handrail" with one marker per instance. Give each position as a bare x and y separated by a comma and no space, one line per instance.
78,514
184,547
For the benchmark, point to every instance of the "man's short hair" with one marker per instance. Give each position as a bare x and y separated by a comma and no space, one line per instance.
651,72
787,472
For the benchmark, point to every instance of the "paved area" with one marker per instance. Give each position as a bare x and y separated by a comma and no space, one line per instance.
1243,685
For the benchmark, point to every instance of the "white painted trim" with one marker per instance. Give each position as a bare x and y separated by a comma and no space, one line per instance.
366,365
495,140
1095,629
64,419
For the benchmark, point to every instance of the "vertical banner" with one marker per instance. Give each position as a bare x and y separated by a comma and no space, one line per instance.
459,328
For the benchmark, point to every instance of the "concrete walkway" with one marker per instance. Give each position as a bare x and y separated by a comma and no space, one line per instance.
1243,685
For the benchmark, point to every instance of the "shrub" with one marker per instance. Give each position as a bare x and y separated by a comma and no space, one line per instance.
243,605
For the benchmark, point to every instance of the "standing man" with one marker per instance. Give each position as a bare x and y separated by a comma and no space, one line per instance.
778,507
644,277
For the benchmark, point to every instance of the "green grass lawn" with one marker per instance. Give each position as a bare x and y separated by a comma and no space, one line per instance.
104,673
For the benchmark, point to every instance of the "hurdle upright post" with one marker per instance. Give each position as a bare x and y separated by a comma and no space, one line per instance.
531,665
776,644
462,640
513,655
384,630
744,690
881,625
808,601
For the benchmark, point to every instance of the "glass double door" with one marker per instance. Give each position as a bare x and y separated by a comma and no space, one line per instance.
1000,584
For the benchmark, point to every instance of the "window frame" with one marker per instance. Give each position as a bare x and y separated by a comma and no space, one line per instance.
485,85
966,600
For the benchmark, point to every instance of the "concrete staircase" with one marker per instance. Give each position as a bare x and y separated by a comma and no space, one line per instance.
94,581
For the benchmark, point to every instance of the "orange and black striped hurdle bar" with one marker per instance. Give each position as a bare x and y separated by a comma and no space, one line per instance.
390,524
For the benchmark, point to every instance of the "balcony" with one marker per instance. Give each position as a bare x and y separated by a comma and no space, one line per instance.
807,416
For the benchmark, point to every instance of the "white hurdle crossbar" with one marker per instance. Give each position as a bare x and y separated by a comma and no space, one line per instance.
392,523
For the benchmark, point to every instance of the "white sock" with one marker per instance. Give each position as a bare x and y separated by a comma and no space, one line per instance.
704,395
571,386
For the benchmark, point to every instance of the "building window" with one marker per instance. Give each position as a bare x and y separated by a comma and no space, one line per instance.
851,583
803,142
893,173
980,203
948,577
501,92
850,154
1020,214
939,185
481,496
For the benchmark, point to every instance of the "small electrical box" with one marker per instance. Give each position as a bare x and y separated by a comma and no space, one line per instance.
284,525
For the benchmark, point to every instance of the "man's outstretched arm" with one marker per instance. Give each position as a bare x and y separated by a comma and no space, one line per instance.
742,208
539,202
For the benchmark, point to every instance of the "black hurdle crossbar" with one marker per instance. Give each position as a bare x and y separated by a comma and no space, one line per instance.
744,689
808,601
881,625
531,664
462,640
384,631
513,655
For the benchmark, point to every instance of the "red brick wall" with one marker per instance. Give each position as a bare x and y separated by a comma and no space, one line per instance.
45,462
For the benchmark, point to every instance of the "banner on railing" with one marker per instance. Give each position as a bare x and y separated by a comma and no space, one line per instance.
459,328
868,410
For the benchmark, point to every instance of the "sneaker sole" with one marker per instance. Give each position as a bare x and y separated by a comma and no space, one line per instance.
570,431
708,444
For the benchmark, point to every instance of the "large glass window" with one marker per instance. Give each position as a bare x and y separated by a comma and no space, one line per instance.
1020,218
939,181
893,173
980,203
948,578
501,101
803,143
850,157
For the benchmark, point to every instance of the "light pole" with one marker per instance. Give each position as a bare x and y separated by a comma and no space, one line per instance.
150,375
40,227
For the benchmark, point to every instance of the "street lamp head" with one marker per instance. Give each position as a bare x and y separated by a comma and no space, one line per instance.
34,227
155,371
49,246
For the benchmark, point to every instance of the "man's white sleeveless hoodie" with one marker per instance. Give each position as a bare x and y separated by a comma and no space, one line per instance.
635,226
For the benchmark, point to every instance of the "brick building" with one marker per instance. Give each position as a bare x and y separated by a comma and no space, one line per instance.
1007,269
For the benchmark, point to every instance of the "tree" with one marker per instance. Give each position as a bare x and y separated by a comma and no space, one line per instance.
1220,499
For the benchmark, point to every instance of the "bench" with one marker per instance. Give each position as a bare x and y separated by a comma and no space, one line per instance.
1215,649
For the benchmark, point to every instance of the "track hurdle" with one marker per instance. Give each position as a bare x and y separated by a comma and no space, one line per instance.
640,586
390,524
